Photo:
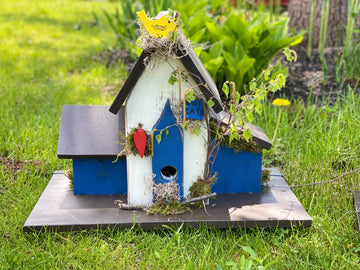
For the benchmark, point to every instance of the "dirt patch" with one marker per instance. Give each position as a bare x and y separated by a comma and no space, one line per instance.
111,57
307,78
14,166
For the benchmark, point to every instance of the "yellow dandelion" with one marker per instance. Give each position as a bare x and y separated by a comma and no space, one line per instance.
281,102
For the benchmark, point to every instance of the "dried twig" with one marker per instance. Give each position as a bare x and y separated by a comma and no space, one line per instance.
199,198
322,182
125,206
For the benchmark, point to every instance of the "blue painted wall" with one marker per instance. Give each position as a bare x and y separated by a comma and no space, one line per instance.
237,172
99,176
169,152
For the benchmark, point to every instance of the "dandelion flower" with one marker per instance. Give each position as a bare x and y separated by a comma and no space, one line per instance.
281,102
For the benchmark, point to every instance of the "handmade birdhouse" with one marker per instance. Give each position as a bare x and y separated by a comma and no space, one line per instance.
157,129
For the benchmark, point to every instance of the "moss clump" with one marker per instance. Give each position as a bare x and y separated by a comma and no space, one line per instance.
265,176
130,147
239,145
70,174
173,207
201,187
242,145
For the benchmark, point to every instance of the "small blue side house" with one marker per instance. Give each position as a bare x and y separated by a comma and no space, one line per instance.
90,135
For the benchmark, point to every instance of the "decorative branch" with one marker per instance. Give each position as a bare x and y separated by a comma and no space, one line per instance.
196,199
322,182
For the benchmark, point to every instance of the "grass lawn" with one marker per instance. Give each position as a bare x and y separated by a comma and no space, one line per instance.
47,51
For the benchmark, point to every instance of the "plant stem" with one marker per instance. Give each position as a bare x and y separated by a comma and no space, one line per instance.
277,126
311,26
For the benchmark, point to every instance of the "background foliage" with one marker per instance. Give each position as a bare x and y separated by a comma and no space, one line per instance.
234,44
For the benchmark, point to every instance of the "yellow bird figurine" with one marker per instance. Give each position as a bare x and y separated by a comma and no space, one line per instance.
160,27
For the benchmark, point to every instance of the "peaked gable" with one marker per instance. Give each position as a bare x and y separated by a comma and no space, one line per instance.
193,65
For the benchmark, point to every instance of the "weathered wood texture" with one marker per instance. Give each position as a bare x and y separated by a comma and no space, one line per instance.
126,89
201,77
90,132
193,65
299,12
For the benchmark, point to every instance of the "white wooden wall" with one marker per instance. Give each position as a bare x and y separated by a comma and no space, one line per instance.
145,105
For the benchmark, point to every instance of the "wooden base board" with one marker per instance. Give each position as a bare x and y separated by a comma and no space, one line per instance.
59,209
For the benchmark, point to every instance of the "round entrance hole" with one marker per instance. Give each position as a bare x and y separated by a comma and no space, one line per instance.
169,173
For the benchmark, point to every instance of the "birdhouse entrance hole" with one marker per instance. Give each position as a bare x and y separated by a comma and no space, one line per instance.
169,173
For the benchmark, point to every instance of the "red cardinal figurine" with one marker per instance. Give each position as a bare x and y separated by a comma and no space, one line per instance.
140,141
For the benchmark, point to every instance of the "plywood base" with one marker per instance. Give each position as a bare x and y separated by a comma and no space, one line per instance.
59,209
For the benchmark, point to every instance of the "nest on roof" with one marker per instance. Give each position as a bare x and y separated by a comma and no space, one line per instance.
168,45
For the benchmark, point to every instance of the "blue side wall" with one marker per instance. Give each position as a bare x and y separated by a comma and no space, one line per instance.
99,176
237,172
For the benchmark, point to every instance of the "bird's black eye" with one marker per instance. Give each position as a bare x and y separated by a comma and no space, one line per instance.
168,21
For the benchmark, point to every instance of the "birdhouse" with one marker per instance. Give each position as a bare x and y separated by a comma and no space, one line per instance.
164,136
153,133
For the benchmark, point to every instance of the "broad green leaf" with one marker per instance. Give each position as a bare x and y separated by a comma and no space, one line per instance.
213,65
213,29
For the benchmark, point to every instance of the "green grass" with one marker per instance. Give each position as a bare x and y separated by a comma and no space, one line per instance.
46,63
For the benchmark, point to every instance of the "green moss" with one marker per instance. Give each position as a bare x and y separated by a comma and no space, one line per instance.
70,174
265,176
239,145
242,145
130,147
201,187
173,207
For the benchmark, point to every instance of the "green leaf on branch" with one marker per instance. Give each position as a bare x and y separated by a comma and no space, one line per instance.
247,134
190,96
252,85
226,88
291,55
173,78
210,103
196,130
231,137
158,138
249,116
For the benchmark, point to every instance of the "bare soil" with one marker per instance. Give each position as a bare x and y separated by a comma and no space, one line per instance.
307,78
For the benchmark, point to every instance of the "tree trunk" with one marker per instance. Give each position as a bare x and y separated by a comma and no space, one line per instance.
300,11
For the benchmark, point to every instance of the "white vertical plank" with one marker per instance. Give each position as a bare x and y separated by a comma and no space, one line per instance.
139,174
194,157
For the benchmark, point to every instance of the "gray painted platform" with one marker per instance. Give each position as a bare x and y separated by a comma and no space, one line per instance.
59,209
